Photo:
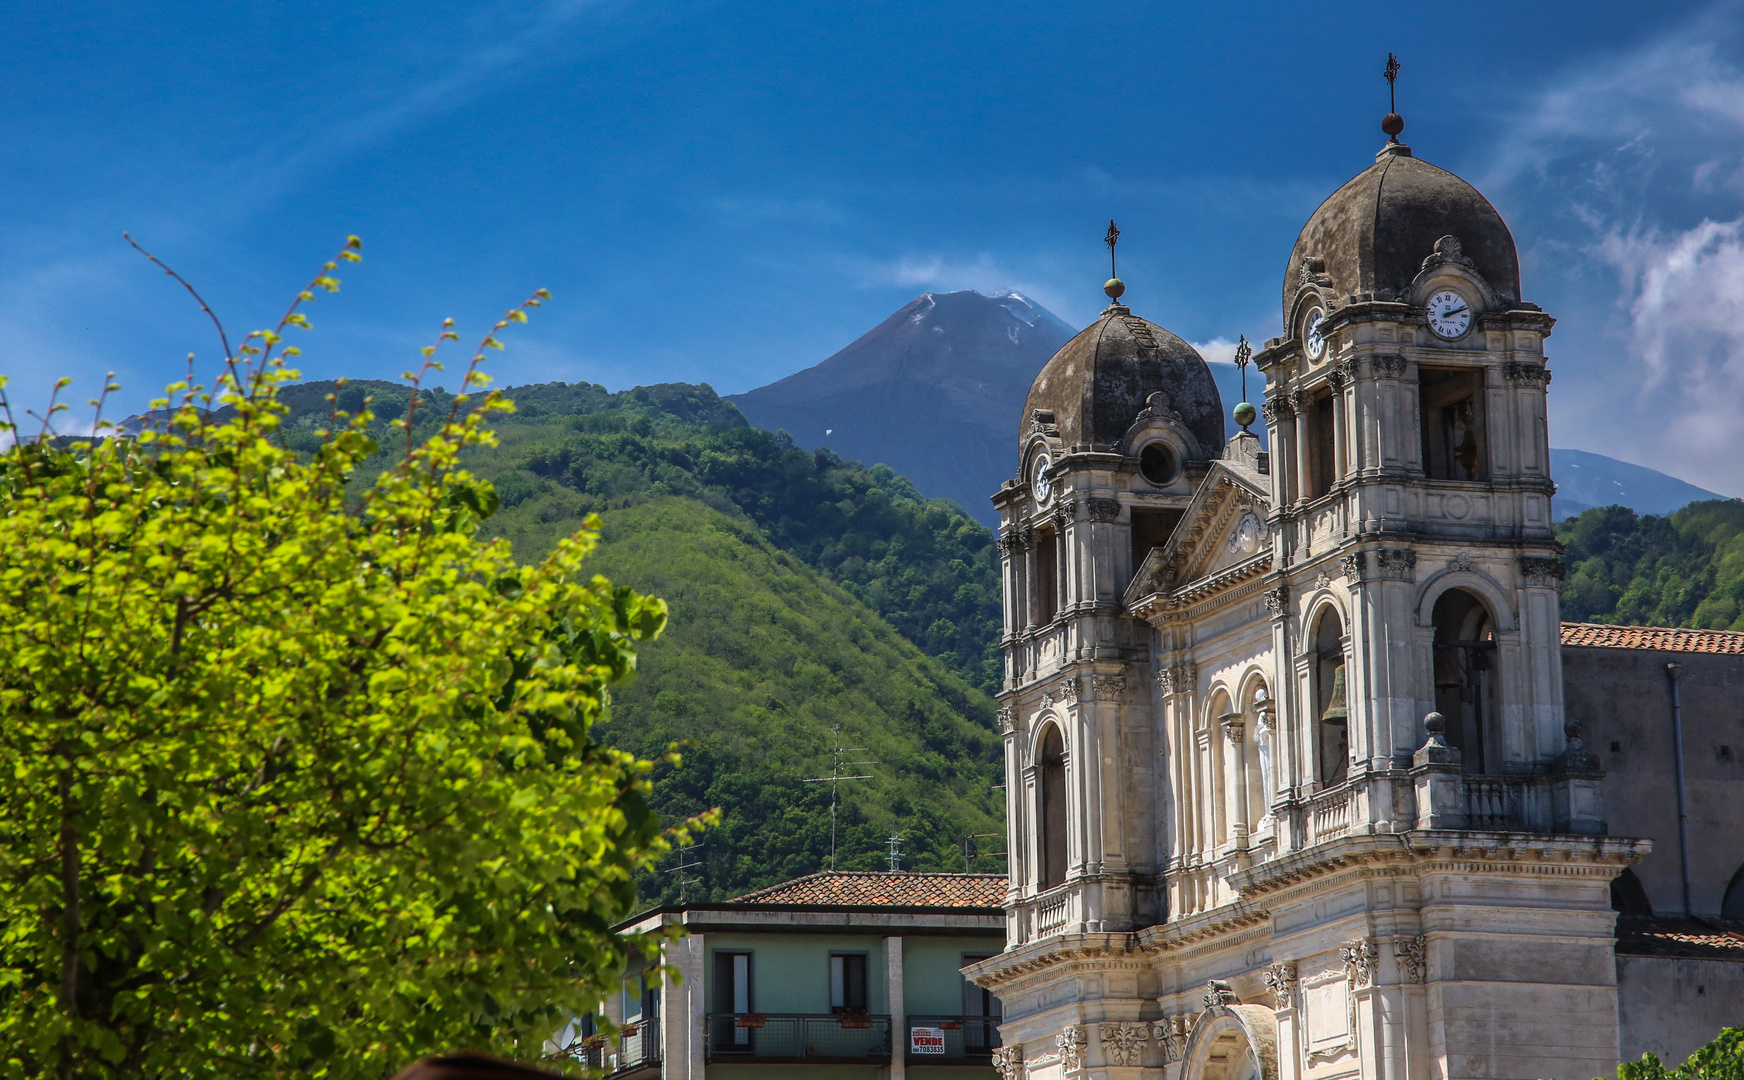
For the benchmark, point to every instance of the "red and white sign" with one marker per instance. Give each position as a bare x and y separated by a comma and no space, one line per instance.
926,1040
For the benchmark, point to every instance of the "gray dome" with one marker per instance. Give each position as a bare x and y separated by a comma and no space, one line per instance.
1372,234
1099,382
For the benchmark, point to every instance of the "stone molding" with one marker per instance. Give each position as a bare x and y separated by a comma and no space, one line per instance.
1121,1042
1360,957
1171,1034
1007,720
1389,367
1008,1061
1542,571
1104,509
1217,992
1107,687
1532,374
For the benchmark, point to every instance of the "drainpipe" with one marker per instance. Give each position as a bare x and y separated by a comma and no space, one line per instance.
1675,672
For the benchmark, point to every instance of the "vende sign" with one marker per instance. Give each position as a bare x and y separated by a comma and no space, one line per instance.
926,1040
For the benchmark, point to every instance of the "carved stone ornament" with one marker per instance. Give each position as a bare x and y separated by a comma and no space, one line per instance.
1157,406
1351,567
1120,1042
1062,515
1178,678
1104,509
1007,720
1015,543
1577,757
1071,1043
1448,251
1322,580
1008,1061
1171,1033
1528,372
1234,725
1277,410
1281,981
1462,562
1107,687
1360,957
1069,692
1395,564
1217,992
1542,571
1389,367
1277,599
1041,422
1413,961
1310,271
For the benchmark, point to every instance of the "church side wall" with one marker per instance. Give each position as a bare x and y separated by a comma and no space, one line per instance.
1671,1006
1624,698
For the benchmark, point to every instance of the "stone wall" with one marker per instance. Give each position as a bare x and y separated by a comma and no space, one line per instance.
1670,1006
1624,698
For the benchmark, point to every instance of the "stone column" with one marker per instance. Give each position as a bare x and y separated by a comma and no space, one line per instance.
898,1007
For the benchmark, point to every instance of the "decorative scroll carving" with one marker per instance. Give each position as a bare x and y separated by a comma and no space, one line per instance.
1062,515
1104,509
1281,981
1217,992
1542,571
1234,725
1178,679
1171,1033
1277,599
1298,401
1360,957
1389,367
1311,271
1071,1043
1008,1060
1462,561
1413,961
1322,580
1448,252
1107,687
1014,543
1007,720
1069,692
1041,422
1532,374
1121,1042
1158,406
1277,410
1351,567
1395,564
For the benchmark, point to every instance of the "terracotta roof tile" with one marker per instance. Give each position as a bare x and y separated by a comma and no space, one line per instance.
884,888
1702,939
1656,638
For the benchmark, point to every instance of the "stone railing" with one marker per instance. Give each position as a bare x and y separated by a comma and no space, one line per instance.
1329,813
1507,802
1051,912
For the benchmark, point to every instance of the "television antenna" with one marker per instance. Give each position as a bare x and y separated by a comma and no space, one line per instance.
684,854
972,850
835,779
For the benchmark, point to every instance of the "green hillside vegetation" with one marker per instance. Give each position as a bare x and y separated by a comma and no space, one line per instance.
1683,570
806,591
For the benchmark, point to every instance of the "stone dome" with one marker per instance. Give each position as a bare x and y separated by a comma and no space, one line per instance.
1372,235
1099,382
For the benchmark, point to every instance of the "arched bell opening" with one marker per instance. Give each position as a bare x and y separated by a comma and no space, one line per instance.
1465,674
1331,700
1051,795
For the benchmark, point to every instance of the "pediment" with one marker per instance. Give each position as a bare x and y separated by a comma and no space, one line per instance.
1223,528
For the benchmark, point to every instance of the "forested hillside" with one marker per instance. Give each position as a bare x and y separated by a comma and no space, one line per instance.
806,592
1683,570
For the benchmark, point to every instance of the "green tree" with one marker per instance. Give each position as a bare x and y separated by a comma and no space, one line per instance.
296,788
1721,1059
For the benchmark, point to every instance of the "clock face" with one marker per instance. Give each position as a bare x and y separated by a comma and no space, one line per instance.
1311,333
1449,314
1044,488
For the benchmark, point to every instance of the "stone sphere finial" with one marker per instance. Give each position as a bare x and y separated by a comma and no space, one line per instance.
1245,414
1392,124
1115,288
1435,724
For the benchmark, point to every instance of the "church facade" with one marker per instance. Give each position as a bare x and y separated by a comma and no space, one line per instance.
1294,789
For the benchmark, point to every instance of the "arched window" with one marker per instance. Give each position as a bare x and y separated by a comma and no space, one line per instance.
1465,678
1732,906
1052,812
1627,895
1331,700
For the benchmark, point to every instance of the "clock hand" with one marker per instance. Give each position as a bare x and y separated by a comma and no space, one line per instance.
1450,313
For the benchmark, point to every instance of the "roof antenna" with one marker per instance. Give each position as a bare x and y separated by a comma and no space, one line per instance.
895,843
685,862
1392,123
835,780
1115,287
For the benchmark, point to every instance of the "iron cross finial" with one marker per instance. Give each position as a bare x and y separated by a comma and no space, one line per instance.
1392,74
1112,239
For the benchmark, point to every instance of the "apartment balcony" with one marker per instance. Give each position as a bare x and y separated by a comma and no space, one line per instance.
633,1055
799,1038
966,1040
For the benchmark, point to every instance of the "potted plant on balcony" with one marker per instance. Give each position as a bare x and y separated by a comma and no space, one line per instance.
856,1018
749,1020
594,1042
627,1031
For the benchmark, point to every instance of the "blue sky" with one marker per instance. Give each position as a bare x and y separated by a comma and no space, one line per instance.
729,192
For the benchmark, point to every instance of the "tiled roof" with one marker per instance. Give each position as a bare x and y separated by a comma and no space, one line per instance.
883,888
1657,638
1701,939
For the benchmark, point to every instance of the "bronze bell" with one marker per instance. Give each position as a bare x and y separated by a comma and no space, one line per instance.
1337,712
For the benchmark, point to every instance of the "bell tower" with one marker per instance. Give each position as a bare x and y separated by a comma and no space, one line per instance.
1415,559
1118,428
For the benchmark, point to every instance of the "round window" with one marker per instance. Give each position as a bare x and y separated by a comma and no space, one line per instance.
1158,463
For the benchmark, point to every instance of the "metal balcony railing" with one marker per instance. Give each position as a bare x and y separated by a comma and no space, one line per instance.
968,1040
799,1037
637,1047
